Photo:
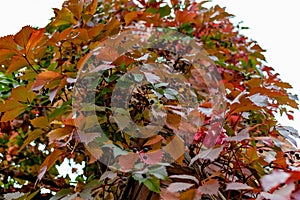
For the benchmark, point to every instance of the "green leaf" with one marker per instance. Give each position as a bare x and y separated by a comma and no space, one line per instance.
138,77
153,184
159,172
164,11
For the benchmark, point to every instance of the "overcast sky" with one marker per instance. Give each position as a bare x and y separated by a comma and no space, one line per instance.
273,23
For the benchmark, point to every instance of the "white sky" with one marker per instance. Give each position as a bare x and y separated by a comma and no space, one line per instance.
273,23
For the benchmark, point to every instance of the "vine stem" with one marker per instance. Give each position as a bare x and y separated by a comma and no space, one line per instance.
24,56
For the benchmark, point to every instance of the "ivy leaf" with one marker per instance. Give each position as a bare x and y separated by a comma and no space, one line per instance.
49,162
164,11
33,135
210,154
274,179
210,187
179,186
128,161
242,135
153,184
45,78
259,100
238,186
184,176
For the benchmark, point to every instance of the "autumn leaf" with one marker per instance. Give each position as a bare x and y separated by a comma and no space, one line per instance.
32,135
179,186
151,157
238,186
242,135
45,78
59,133
210,154
210,187
49,162
274,179
128,161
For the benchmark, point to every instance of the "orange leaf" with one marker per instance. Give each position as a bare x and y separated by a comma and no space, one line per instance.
16,63
44,78
49,162
129,17
23,36
92,7
7,42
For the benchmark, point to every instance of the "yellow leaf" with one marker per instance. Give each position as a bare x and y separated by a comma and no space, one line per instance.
10,105
12,114
64,17
40,122
59,133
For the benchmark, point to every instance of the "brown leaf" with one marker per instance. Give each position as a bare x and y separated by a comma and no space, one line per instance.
59,133
40,122
151,157
129,17
179,186
49,162
33,135
127,162
175,147
210,154
210,187
23,36
44,78
238,186
153,140
12,114
184,176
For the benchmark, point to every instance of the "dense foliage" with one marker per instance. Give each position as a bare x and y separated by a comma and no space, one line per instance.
253,156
